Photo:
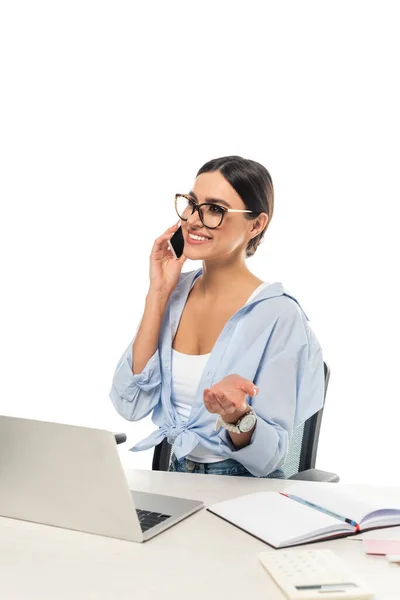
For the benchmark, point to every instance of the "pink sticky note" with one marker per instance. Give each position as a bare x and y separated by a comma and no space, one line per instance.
381,546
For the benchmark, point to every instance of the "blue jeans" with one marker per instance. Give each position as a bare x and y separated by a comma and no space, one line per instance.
224,467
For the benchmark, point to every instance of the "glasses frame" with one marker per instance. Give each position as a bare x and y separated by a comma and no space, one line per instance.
198,206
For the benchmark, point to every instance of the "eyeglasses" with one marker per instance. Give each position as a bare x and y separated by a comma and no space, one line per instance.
211,215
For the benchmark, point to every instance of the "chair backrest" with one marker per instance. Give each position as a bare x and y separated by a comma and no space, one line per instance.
304,443
302,448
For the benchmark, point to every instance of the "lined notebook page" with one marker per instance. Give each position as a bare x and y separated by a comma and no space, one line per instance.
273,517
348,503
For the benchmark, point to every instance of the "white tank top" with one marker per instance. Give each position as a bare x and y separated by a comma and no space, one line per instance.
187,370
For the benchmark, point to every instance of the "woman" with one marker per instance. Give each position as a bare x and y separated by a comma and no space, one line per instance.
227,363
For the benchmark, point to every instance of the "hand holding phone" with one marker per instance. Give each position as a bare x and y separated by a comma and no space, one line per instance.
165,265
177,243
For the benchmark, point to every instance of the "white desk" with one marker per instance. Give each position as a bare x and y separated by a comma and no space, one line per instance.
202,557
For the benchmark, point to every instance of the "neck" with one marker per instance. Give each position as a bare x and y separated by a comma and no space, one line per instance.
222,280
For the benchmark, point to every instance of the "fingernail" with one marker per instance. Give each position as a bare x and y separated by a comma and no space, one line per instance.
255,391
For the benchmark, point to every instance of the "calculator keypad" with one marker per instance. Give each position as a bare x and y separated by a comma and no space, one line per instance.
312,574
305,567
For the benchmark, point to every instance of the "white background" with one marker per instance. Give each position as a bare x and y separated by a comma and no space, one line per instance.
109,108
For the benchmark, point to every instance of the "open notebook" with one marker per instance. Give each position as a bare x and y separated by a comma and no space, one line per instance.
335,511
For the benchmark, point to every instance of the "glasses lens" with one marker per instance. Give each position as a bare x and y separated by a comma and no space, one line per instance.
184,207
211,213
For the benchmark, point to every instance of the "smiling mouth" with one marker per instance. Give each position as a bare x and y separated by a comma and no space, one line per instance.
190,233
198,238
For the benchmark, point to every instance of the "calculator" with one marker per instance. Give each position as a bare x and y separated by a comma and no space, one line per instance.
313,575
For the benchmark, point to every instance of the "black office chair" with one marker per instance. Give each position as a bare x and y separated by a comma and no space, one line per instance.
120,438
300,458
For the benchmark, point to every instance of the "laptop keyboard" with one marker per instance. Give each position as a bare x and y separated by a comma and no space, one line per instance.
148,519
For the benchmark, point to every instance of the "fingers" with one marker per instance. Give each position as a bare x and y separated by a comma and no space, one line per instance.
213,404
182,259
210,402
160,241
248,388
229,406
223,407
217,402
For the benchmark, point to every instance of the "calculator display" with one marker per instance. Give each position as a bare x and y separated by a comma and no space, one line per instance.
334,587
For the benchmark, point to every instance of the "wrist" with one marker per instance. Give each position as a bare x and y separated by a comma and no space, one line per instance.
242,428
233,418
157,297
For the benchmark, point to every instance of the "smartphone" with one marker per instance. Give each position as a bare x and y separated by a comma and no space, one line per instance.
177,243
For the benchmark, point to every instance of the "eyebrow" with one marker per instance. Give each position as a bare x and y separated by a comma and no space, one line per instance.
191,193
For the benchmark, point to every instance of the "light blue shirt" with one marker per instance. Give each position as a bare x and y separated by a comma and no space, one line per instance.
268,341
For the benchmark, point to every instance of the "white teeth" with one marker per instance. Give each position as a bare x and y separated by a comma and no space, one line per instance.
197,237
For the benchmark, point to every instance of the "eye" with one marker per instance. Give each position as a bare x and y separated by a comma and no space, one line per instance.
215,208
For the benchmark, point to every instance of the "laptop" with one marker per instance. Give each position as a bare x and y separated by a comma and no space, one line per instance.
72,477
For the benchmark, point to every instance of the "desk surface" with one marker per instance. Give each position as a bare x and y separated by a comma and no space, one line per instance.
202,557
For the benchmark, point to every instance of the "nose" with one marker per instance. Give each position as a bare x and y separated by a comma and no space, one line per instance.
195,218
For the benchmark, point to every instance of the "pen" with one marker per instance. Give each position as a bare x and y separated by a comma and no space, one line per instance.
320,508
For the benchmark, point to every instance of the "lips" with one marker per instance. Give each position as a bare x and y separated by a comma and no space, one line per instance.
199,234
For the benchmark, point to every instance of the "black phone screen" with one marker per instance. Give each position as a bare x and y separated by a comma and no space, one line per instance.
177,243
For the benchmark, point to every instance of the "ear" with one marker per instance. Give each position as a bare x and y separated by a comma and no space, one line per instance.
260,223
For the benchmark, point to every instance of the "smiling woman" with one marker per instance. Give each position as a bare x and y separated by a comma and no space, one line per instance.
226,362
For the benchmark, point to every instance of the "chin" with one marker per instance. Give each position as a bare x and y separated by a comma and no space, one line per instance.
195,252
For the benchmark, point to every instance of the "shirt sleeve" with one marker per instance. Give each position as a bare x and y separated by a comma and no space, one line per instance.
135,395
290,378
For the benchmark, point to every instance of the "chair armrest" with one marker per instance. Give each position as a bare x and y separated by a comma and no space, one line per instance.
120,438
316,475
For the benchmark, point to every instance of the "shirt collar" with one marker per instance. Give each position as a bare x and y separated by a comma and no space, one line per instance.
273,290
